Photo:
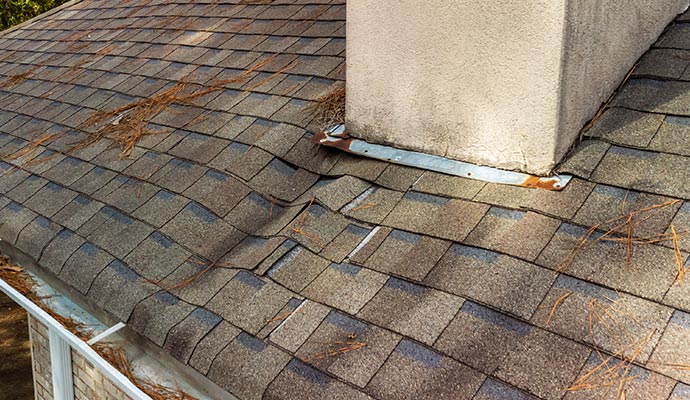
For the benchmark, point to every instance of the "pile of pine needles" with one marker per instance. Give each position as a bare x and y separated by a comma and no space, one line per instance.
622,230
14,80
329,109
615,320
126,125
336,348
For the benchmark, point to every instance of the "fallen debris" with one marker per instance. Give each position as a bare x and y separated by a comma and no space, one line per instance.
622,232
188,281
125,126
336,348
16,277
299,226
329,109
14,80
555,306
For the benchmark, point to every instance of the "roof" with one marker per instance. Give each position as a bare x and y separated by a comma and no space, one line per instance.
283,270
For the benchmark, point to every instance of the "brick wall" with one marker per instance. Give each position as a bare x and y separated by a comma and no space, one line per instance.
40,359
89,384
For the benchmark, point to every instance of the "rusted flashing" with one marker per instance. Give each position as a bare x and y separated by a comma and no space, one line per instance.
337,137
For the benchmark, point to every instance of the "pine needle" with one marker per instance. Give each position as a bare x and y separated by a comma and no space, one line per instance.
329,109
115,355
555,305
679,257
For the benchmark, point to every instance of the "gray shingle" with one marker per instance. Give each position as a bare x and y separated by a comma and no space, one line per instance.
13,218
663,63
436,216
345,243
295,328
521,234
645,171
247,366
212,344
492,278
407,254
356,366
412,310
77,212
680,392
361,167
481,337
253,213
184,336
119,233
249,302
297,268
619,314
672,136
178,175
196,282
647,385
147,165
50,199
210,123
202,232
604,263
345,286
218,191
607,203
161,208
251,252
27,188
241,160
10,177
626,127
199,148
282,181
131,194
84,265
60,249
675,37
276,139
584,158
296,112
156,257
298,380
119,289
415,372
373,205
399,177
496,390
563,204
671,349
95,179
157,314
36,235
658,96
316,227
543,364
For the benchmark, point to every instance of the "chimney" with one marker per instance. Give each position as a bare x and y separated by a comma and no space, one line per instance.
508,84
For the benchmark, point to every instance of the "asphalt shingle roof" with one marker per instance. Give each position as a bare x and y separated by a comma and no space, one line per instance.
265,263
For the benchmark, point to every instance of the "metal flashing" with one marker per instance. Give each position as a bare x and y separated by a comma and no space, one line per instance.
337,137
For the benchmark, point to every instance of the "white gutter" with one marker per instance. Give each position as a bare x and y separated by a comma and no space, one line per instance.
61,340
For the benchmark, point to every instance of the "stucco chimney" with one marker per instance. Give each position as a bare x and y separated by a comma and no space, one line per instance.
508,84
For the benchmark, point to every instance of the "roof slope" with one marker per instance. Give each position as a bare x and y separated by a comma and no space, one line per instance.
282,270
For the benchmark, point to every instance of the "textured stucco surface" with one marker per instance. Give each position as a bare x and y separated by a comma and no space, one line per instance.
496,83
604,38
